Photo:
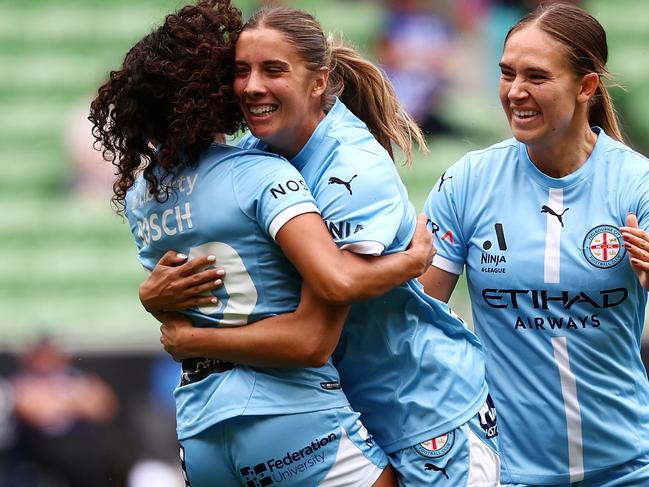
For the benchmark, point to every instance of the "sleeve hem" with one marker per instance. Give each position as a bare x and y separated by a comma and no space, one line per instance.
447,265
367,247
285,215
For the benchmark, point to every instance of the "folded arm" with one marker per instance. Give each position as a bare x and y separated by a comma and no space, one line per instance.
304,338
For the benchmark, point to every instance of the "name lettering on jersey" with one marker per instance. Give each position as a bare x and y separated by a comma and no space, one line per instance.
182,185
170,222
290,465
554,301
341,230
292,186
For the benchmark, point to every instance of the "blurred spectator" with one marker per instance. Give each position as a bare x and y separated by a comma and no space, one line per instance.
414,51
63,415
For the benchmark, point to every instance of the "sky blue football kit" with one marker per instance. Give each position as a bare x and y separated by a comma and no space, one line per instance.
406,361
242,425
557,306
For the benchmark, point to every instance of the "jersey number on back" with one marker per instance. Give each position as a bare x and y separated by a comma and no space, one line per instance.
240,289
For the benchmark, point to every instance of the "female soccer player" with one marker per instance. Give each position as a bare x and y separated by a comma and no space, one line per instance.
408,364
159,119
548,225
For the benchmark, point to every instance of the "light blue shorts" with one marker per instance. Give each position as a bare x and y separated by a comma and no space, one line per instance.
630,474
329,448
467,456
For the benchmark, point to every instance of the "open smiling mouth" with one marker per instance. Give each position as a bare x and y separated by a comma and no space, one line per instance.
261,110
525,113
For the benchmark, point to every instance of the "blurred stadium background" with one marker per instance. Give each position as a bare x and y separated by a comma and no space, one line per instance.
68,263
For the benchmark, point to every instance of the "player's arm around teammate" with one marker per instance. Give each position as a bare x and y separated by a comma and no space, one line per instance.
339,276
403,349
306,337
237,425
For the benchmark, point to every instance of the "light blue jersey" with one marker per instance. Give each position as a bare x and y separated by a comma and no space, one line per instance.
232,205
555,303
406,362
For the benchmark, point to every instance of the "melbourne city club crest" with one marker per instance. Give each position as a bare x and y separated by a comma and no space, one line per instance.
603,246
437,447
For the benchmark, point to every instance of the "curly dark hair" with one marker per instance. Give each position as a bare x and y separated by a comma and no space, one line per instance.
173,90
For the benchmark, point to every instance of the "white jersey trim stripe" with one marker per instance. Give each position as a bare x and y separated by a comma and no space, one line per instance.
447,265
280,220
572,409
366,247
551,268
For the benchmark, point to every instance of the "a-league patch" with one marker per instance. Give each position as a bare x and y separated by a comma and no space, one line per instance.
603,246
437,447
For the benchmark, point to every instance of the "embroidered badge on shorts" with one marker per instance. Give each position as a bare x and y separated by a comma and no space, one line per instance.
603,246
437,447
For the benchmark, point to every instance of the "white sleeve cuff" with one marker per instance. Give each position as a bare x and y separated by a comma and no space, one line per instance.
447,265
367,247
284,216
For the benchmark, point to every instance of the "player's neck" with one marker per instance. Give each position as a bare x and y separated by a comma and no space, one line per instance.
559,160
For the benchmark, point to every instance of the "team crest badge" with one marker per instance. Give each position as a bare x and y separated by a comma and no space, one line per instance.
603,246
437,447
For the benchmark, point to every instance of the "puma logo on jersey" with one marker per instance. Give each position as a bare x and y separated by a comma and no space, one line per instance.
346,184
547,209
434,468
441,181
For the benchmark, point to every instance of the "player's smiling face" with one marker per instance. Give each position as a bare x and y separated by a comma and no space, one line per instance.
539,91
279,96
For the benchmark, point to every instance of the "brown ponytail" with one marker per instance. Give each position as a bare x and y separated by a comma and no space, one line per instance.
365,90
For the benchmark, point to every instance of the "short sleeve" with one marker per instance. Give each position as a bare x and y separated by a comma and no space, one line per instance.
362,200
270,190
441,208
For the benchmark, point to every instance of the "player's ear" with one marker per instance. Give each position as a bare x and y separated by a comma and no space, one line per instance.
589,84
320,82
